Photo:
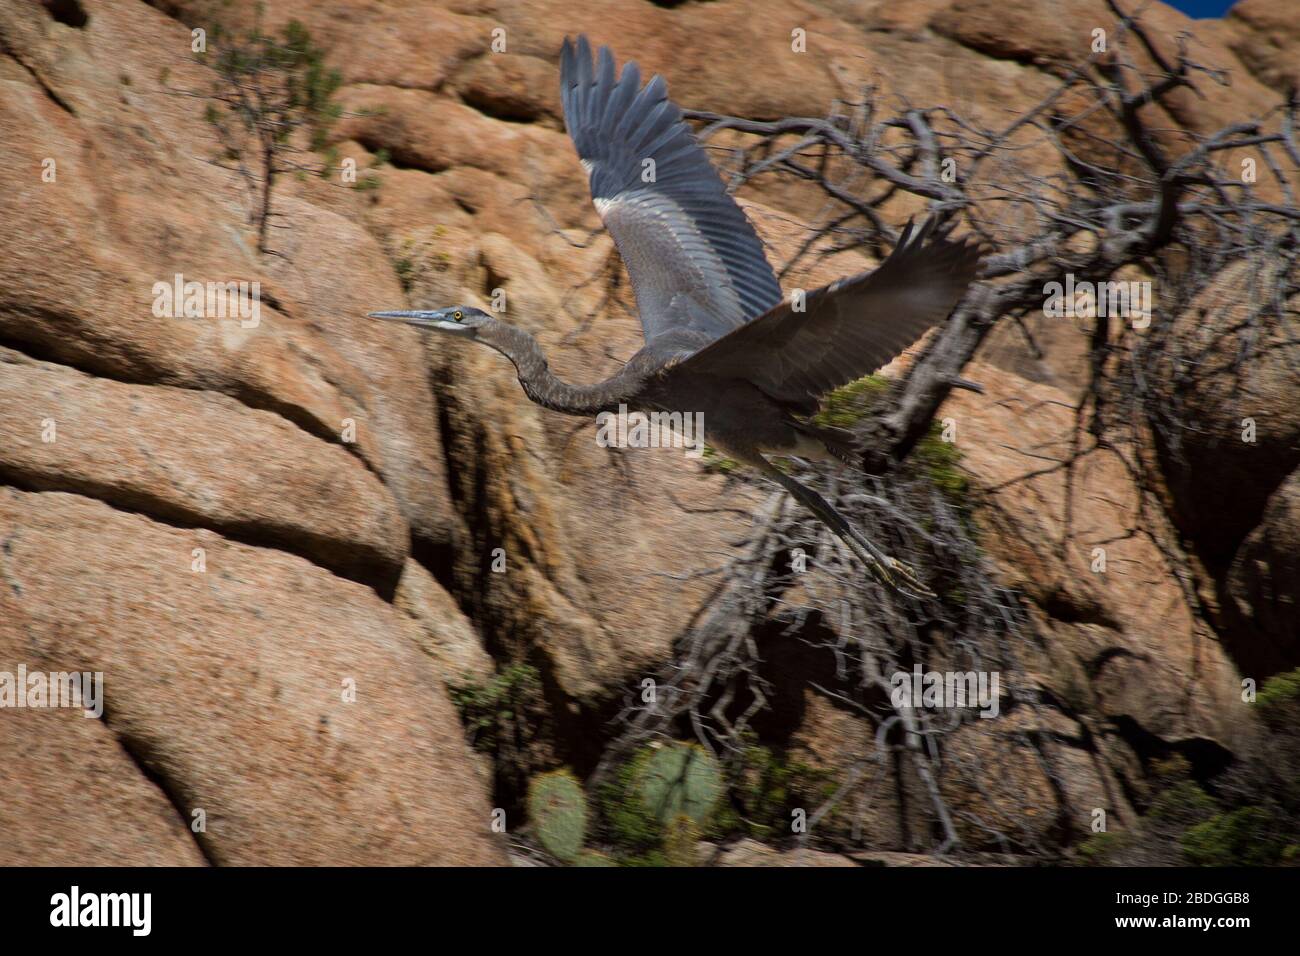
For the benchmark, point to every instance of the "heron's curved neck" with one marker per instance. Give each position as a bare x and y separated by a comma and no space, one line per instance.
541,385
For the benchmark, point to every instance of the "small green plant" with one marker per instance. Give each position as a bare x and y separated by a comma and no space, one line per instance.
1100,849
558,809
272,103
682,842
640,803
765,787
847,405
1208,829
1171,770
763,790
679,778
1280,689
940,459
1183,805
1244,837
405,272
716,463
494,710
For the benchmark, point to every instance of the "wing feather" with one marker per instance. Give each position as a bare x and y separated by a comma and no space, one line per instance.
847,329
693,258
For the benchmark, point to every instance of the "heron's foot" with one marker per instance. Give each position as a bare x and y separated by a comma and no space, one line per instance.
901,577
890,572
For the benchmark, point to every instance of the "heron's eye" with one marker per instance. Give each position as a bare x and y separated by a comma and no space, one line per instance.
456,315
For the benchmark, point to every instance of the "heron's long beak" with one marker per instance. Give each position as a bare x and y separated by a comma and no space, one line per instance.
440,319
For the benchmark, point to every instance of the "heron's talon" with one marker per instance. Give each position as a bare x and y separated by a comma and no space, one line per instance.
900,577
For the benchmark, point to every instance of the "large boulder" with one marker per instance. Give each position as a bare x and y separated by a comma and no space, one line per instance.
441,629
197,458
1122,638
1263,589
73,793
1266,37
127,207
1230,433
288,705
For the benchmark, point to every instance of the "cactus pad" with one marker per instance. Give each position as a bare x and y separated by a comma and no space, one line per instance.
558,809
679,778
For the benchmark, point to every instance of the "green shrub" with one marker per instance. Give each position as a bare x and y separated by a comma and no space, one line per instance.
1100,849
940,460
640,803
1173,769
716,463
1280,689
405,269
485,709
266,91
682,842
1183,805
846,405
1244,837
628,823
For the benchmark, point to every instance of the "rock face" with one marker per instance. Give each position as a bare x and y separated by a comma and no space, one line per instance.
285,457
753,853
1265,36
1099,596
199,459
1243,426
287,705
75,795
371,507
442,631
1263,586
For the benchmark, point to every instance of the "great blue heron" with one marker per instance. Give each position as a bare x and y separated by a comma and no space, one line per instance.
719,338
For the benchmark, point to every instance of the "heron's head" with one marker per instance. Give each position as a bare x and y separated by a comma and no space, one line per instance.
462,320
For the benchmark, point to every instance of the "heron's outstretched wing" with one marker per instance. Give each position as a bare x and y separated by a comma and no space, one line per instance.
846,329
693,258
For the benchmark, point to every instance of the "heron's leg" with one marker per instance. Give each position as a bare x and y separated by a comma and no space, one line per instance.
886,569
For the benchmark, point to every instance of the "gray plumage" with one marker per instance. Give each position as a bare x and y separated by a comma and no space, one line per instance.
693,258
719,338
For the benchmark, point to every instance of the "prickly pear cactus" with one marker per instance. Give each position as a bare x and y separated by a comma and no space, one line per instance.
558,809
679,778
